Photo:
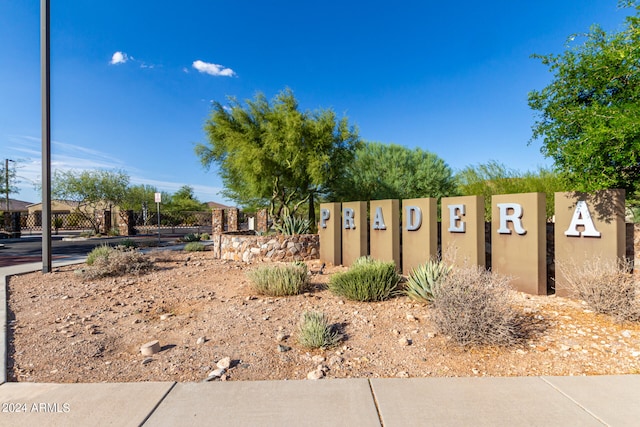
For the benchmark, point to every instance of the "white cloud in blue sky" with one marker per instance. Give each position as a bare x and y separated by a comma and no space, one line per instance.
119,58
213,69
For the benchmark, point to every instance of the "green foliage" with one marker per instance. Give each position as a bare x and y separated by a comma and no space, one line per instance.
587,117
390,171
127,244
9,178
315,331
205,236
473,307
101,251
138,195
495,178
279,280
195,247
183,200
293,225
191,237
366,280
91,190
275,155
425,279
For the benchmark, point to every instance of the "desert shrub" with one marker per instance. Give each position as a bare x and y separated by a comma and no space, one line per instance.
101,251
117,262
607,286
293,225
114,231
205,236
315,331
425,278
191,237
473,307
194,247
127,244
366,280
279,280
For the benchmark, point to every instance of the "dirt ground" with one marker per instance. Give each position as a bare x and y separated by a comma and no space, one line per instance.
65,329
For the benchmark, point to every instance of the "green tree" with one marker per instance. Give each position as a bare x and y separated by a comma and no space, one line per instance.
390,171
275,155
494,178
137,195
184,200
8,184
92,190
588,117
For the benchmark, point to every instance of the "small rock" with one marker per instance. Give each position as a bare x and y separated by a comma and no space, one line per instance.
224,363
402,374
281,336
216,373
315,375
150,348
410,317
335,360
404,341
201,340
165,316
626,334
283,348
475,371
147,360
431,335
318,359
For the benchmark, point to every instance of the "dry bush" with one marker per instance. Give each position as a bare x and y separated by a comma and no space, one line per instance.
607,286
117,262
473,307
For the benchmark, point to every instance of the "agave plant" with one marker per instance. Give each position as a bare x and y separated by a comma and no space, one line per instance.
424,279
293,225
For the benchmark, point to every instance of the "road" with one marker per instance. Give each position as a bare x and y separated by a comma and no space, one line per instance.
29,249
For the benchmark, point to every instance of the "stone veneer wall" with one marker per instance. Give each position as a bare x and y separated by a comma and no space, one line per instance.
266,248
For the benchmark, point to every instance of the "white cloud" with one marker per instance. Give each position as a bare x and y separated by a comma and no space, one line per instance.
213,69
119,58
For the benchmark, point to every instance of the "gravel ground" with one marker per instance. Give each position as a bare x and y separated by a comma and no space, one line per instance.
65,329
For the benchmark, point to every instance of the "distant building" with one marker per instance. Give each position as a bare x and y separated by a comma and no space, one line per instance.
14,206
216,205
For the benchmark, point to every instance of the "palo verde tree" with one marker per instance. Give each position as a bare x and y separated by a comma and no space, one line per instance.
391,171
494,178
275,155
92,190
588,117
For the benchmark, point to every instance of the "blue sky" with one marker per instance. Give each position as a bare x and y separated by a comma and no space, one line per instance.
132,81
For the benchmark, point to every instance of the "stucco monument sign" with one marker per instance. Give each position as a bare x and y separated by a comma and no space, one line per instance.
587,226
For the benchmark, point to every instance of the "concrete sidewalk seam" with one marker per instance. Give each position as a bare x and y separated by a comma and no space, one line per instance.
375,402
157,405
575,402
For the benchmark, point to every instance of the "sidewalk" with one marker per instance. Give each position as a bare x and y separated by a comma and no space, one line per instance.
515,401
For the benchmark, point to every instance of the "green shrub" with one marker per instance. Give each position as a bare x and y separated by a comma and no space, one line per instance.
101,251
279,280
116,262
608,287
293,225
205,236
191,237
314,331
127,244
113,231
195,247
473,307
424,279
366,280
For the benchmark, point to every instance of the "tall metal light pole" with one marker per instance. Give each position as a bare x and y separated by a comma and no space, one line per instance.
46,134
